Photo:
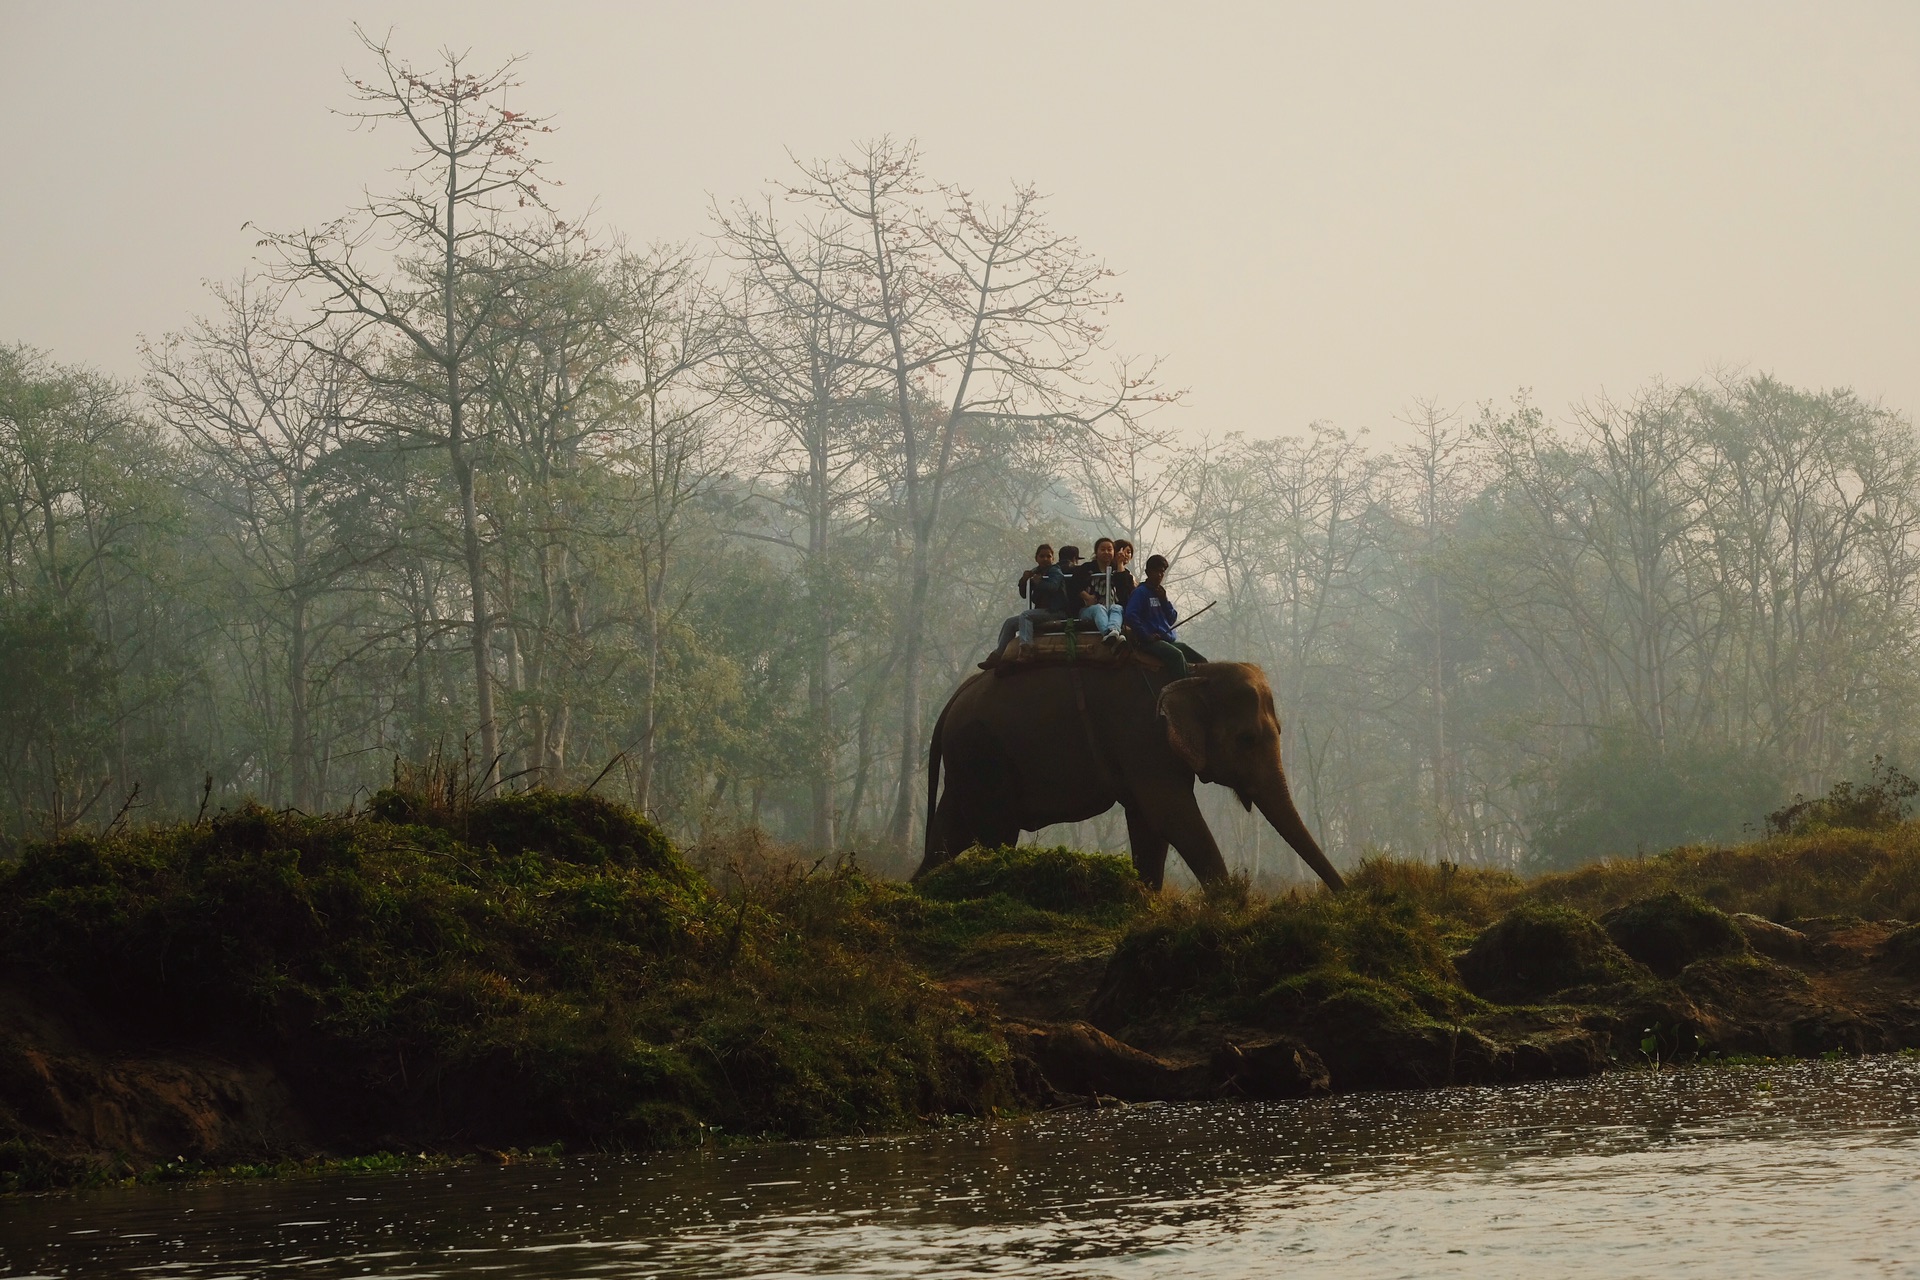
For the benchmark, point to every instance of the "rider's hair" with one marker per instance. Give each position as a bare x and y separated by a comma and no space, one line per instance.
1156,563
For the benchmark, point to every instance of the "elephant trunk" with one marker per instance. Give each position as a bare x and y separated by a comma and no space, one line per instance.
1276,805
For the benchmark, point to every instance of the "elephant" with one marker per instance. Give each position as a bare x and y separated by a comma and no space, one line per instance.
1040,744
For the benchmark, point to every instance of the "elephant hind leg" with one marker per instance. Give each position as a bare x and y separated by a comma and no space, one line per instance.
1149,850
948,833
959,824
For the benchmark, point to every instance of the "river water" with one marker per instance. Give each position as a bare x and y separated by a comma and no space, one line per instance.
1802,1170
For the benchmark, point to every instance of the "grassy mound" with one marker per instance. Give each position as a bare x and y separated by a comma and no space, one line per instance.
1535,952
1425,974
1670,931
1871,874
1052,899
1901,952
1055,879
544,967
538,967
1366,969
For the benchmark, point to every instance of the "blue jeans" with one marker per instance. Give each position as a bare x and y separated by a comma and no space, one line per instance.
1021,624
1104,617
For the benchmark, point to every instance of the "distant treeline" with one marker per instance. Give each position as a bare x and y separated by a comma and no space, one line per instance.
452,482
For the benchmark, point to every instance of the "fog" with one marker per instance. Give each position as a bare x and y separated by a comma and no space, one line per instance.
1531,391
1318,214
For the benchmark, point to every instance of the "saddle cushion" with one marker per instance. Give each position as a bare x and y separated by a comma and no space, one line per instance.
1061,647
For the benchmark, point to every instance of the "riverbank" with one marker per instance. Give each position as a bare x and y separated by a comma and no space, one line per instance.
538,969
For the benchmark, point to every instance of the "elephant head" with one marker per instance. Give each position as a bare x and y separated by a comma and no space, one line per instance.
1222,723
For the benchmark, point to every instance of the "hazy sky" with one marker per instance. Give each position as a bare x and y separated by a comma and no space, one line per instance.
1317,211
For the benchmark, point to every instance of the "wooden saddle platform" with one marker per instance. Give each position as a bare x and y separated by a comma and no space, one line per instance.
1058,644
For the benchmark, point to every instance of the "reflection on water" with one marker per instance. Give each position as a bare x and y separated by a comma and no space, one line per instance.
1801,1170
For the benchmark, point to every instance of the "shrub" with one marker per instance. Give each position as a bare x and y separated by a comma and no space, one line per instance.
1880,802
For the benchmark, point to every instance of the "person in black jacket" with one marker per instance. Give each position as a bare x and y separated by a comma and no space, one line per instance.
1044,588
1101,588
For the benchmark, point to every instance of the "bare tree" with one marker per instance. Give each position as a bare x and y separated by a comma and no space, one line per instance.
266,412
796,359
985,314
1434,465
465,242
667,330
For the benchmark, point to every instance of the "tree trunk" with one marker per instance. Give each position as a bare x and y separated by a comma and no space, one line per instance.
463,477
820,672
910,743
300,746
649,712
482,625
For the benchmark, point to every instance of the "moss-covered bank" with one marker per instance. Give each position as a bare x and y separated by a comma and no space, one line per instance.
1427,975
538,968
546,968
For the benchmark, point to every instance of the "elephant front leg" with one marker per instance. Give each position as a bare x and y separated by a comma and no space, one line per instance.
1149,850
1177,813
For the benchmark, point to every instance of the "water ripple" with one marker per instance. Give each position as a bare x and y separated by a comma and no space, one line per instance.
1796,1170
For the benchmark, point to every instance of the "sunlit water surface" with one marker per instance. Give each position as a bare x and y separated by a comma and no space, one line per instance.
1806,1170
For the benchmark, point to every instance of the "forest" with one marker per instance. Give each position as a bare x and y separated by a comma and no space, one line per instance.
450,484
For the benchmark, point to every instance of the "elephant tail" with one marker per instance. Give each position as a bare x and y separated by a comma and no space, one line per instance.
933,781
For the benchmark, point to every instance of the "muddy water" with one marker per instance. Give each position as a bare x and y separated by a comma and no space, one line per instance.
1807,1170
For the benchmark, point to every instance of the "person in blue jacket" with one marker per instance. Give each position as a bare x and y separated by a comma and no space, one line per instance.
1151,616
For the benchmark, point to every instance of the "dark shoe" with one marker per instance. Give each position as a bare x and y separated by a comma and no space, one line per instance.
1110,639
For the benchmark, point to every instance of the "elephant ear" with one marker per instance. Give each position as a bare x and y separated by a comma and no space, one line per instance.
1182,710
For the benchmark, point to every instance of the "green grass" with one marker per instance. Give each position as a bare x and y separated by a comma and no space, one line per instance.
1376,947
1053,898
1874,875
1412,946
